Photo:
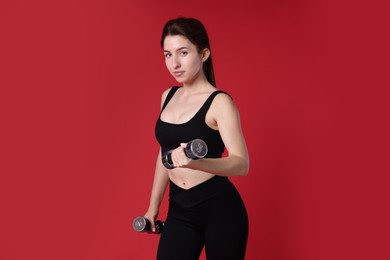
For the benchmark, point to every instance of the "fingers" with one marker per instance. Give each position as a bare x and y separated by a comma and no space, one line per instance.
151,216
152,226
152,223
179,157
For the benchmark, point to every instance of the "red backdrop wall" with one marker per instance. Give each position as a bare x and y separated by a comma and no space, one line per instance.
80,90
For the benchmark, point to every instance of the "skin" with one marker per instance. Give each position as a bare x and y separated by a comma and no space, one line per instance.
184,63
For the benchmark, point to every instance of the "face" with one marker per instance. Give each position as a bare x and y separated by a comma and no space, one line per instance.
182,59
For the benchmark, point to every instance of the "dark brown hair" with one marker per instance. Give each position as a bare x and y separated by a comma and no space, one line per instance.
195,32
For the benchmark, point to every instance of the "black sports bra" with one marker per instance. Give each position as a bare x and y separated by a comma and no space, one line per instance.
171,135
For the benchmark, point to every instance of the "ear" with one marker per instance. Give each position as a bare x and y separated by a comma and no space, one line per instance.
205,54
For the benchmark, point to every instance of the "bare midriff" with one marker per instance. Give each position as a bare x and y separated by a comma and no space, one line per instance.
188,178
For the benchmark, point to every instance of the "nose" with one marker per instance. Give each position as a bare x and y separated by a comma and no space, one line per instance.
175,62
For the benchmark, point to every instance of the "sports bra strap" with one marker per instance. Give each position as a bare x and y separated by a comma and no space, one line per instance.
210,99
171,92
205,106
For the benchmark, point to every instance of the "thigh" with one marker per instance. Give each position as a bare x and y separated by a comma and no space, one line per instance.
227,230
226,240
179,241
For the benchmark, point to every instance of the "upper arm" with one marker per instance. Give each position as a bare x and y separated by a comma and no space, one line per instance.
227,117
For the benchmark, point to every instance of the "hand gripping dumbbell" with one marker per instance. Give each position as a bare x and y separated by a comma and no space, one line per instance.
142,224
194,149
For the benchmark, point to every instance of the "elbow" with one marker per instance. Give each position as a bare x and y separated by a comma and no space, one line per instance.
244,168
245,171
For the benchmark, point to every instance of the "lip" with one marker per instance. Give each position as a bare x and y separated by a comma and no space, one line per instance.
178,73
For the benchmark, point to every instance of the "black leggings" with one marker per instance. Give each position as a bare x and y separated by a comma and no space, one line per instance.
211,214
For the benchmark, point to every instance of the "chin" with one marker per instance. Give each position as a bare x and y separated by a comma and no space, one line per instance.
180,80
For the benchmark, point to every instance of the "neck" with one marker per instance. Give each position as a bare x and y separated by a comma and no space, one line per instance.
198,84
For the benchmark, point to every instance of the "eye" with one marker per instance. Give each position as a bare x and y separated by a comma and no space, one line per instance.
183,53
167,55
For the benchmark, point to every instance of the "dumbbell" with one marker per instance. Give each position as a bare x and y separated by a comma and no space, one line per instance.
142,224
194,149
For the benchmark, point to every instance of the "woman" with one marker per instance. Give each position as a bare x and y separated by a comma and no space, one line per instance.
205,209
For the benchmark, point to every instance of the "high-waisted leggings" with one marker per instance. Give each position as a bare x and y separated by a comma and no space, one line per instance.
211,215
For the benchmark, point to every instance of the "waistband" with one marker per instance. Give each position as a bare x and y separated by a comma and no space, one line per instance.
200,193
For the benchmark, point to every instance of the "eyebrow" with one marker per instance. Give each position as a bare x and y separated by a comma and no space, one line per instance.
181,48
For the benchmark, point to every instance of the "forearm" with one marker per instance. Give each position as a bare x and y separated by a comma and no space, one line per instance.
160,183
226,166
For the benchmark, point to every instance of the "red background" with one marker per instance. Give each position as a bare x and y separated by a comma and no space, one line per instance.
80,91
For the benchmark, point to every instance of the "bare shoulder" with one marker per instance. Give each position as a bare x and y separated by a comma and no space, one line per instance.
223,110
164,95
223,102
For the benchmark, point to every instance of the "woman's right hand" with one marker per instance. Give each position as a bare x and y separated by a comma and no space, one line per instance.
179,158
151,215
